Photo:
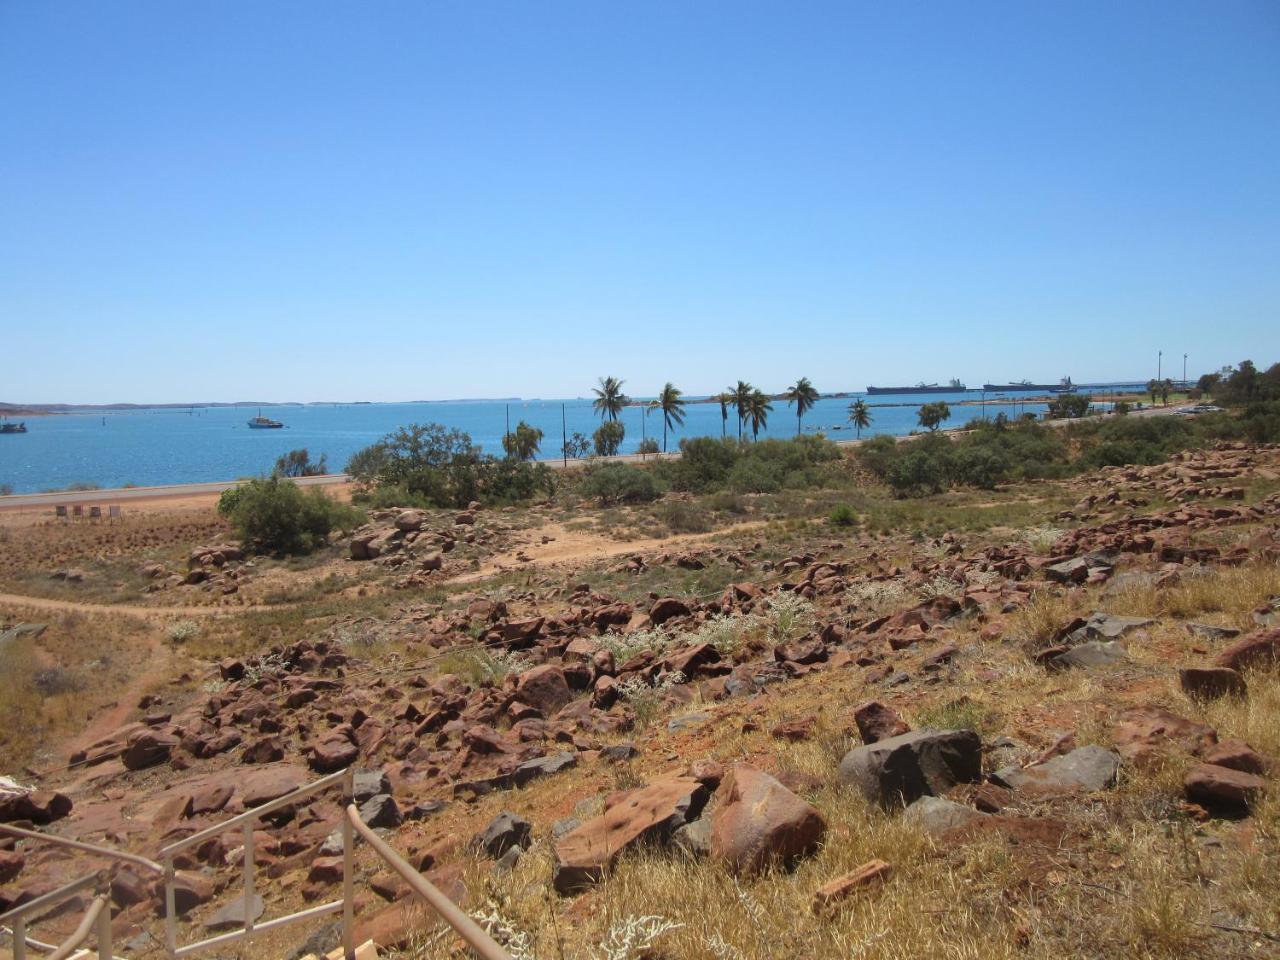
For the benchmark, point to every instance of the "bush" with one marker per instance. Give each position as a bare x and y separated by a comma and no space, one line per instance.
275,516
297,463
843,516
683,517
752,475
621,483
648,445
1069,406
523,443
608,438
430,466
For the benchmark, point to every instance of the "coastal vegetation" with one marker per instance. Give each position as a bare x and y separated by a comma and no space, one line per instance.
803,396
933,415
671,403
298,463
272,515
524,442
429,465
860,415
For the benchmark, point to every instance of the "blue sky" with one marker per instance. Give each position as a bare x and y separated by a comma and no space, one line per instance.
392,201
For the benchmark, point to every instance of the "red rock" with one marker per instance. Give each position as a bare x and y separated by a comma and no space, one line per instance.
332,753
11,864
870,874
1212,683
1142,732
1261,649
325,870
1237,755
667,608
190,890
1221,788
759,822
270,783
148,748
878,722
796,730
38,806
656,810
263,750
544,687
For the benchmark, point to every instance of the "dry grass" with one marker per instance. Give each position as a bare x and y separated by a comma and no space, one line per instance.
1224,595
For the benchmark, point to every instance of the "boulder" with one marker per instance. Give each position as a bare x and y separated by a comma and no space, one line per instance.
11,864
146,748
190,890
411,521
1221,789
544,687
332,753
647,814
1083,770
667,608
503,832
531,770
937,815
1142,732
1261,649
878,722
381,811
1089,655
904,768
39,806
758,822
1212,683
1237,755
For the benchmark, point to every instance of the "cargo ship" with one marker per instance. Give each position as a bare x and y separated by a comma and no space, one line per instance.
1026,386
954,386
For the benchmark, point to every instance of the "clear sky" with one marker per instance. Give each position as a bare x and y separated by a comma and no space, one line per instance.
391,201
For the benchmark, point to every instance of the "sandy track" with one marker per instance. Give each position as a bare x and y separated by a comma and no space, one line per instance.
573,547
122,609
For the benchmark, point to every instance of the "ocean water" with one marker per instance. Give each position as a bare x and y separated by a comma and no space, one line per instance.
160,446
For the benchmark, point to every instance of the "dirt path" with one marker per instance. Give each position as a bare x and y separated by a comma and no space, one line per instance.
122,609
576,546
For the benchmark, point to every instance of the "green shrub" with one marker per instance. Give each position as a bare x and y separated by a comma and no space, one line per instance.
608,438
753,475
621,483
275,516
648,445
843,515
681,516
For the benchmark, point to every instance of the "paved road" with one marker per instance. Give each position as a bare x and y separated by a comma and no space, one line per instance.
125,494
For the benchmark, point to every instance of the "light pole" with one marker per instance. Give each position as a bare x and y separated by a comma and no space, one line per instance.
1184,371
1159,364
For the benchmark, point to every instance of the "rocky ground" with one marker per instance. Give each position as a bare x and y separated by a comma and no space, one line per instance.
1049,739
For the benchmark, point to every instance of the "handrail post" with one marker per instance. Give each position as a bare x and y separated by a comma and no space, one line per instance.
348,895
104,930
249,866
170,908
20,939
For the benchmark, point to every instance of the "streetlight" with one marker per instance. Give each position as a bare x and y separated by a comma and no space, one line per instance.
1159,364
1184,371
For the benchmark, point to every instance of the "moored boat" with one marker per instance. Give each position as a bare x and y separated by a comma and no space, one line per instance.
264,423
13,428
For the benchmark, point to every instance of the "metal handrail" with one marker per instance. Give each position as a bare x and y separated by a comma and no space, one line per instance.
121,855
463,925
247,821
97,917
258,812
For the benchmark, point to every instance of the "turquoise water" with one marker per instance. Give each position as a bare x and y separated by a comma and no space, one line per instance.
150,447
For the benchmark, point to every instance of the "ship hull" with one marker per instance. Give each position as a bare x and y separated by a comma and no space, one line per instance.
880,391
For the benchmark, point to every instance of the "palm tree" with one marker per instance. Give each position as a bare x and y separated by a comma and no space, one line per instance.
860,415
724,400
609,399
758,407
740,397
671,404
804,396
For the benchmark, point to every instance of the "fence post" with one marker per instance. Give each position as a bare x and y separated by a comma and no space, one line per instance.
20,939
170,909
104,930
248,878
348,870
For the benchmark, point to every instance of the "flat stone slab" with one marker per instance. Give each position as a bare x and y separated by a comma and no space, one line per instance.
232,914
1083,770
1090,655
